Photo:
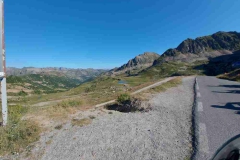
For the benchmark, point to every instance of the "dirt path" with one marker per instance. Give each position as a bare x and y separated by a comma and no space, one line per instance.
163,133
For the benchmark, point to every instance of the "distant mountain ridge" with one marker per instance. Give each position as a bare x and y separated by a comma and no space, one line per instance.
218,41
80,74
210,55
202,48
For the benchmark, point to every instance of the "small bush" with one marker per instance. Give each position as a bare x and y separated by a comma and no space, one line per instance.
123,98
132,105
58,127
22,93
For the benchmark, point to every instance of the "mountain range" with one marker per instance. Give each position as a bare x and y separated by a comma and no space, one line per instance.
210,55
206,47
80,74
190,51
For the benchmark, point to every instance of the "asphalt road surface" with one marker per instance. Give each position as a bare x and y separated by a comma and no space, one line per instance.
217,112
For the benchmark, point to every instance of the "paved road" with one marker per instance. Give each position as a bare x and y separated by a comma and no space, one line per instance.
217,114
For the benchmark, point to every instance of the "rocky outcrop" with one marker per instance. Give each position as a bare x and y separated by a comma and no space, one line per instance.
136,64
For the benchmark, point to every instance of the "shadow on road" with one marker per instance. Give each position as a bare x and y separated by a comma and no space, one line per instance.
227,86
230,86
233,106
229,91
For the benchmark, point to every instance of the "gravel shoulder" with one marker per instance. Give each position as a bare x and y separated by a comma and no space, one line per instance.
163,133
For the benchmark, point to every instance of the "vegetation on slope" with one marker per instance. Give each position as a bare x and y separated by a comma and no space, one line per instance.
233,76
42,83
171,68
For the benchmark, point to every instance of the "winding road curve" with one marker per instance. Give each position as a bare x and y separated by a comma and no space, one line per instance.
217,114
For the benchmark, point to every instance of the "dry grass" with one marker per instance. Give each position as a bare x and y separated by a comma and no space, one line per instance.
145,95
57,114
81,122
172,83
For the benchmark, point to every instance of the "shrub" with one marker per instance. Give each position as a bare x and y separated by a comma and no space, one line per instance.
37,91
58,127
123,98
22,93
132,105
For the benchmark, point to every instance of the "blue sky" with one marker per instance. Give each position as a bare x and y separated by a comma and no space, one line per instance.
107,33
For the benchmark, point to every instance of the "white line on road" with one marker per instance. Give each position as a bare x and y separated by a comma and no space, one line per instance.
203,140
198,94
197,86
200,107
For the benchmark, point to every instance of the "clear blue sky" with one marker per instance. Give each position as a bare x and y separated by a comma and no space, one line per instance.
107,33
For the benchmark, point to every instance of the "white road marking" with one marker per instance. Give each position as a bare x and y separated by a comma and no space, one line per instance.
203,140
198,94
200,107
197,86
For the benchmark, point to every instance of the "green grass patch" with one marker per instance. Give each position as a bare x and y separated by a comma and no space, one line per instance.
18,134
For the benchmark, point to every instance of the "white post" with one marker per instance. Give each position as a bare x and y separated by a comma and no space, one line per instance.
3,67
4,101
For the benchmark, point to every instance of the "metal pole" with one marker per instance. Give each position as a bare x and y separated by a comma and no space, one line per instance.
3,72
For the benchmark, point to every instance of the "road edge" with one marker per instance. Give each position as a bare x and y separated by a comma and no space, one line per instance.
195,125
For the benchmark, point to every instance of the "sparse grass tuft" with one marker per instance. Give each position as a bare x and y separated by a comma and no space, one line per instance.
81,122
49,142
69,103
58,127
92,117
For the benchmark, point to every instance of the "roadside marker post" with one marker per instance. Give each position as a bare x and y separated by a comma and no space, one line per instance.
3,67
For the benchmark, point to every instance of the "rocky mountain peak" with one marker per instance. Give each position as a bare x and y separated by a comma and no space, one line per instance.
217,41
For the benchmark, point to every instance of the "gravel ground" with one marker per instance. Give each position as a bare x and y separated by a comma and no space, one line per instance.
163,133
